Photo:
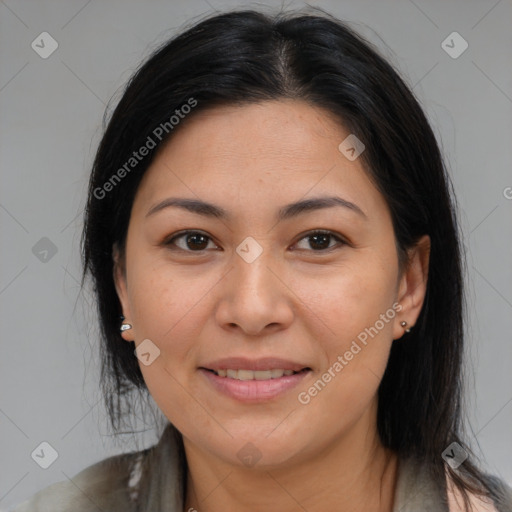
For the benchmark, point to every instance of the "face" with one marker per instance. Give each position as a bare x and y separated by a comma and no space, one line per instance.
249,283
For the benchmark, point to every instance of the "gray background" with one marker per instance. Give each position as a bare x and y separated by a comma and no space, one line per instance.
50,124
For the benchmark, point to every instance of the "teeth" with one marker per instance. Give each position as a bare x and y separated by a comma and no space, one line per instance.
254,375
246,375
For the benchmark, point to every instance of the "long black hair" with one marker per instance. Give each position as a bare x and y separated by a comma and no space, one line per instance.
242,57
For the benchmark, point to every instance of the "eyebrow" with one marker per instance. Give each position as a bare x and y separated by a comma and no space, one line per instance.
286,212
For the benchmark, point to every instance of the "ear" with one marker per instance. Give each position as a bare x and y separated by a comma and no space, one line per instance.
413,285
119,275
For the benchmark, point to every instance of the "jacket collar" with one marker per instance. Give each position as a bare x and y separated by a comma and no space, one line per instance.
163,477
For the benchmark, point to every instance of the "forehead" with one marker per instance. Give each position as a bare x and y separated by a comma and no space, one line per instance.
276,127
270,151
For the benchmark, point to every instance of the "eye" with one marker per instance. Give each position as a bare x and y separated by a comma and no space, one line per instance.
193,241
319,240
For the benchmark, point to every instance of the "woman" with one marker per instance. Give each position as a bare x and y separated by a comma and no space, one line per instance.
274,250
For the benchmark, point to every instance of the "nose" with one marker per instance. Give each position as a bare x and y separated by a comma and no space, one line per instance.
254,297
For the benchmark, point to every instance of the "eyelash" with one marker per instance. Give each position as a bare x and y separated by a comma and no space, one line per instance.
182,234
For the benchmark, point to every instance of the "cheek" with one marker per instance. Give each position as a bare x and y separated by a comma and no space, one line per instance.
164,300
171,308
351,298
164,309
356,313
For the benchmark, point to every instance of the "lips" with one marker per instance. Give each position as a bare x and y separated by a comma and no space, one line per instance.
254,380
254,366
253,391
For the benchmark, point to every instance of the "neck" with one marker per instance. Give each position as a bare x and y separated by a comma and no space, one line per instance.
354,472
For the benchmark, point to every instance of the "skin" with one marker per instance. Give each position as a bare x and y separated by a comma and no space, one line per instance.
297,300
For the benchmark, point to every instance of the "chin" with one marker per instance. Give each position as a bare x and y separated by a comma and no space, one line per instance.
262,452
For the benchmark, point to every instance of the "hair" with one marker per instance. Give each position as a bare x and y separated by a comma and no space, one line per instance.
243,57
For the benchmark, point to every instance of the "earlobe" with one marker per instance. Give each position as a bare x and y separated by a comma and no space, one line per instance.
119,276
413,285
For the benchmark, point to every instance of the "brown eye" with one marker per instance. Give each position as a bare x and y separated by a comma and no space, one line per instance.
190,241
320,240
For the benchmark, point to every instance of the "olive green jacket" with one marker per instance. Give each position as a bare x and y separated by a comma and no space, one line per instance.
152,480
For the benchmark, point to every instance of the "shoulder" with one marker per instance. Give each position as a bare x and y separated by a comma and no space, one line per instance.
501,502
418,490
105,485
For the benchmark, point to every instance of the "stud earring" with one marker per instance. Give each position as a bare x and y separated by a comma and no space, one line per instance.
403,323
125,327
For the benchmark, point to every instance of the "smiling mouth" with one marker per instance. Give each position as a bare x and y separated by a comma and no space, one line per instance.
242,374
